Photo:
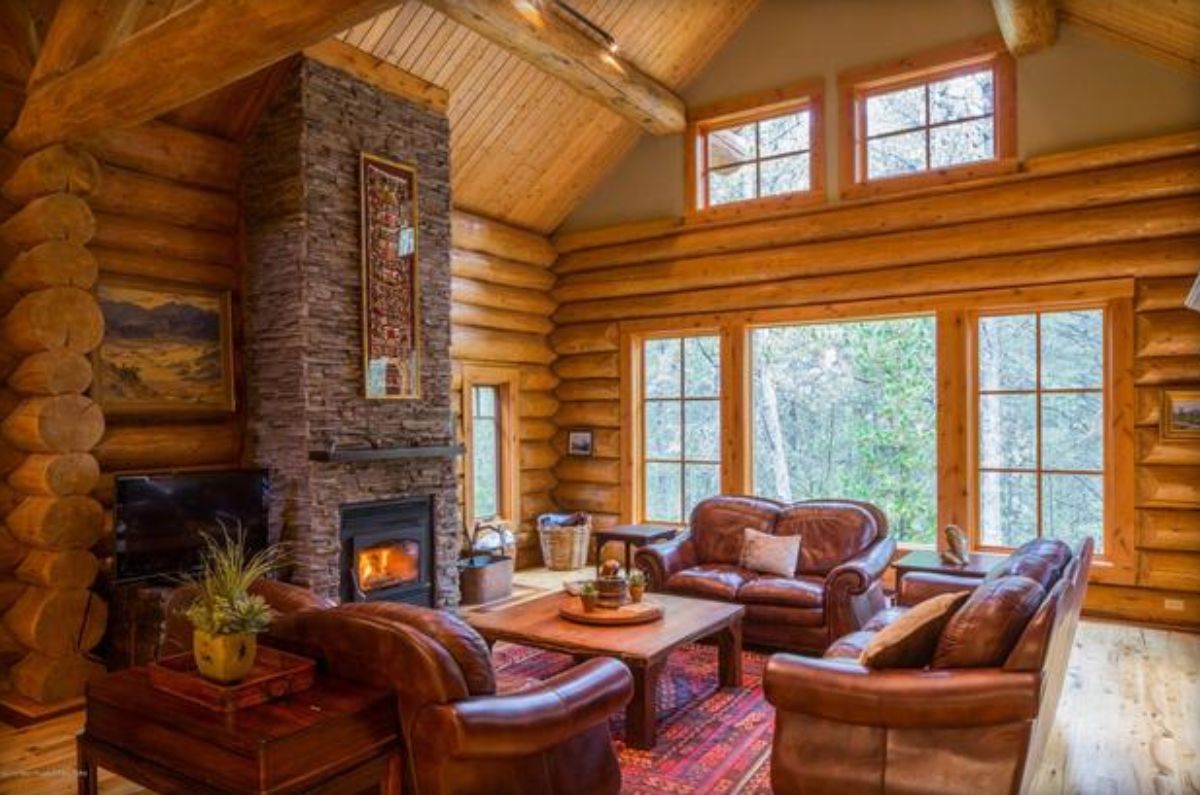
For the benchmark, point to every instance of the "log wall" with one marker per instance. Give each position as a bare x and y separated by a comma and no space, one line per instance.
1130,212
500,316
167,213
50,618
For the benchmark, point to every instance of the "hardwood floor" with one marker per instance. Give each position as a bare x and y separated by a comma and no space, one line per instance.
1129,722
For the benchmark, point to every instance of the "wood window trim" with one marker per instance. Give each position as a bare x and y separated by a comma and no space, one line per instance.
632,342
1117,563
805,94
507,380
941,62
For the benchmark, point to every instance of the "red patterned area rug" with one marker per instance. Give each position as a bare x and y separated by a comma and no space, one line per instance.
710,739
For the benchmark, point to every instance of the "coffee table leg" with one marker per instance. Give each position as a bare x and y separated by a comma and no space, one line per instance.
641,716
729,645
85,768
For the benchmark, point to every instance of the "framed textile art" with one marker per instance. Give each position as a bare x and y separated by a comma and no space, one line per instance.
390,280
167,349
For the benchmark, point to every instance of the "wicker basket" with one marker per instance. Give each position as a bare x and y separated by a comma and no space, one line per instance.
564,539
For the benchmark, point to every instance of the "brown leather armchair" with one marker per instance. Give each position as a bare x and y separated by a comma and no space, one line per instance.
841,727
460,734
844,550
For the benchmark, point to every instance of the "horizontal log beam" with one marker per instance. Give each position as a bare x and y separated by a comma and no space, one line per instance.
470,232
556,45
172,153
1063,229
915,282
208,44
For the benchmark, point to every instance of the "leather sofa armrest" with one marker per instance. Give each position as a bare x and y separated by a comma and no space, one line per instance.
660,561
917,586
844,691
529,721
853,592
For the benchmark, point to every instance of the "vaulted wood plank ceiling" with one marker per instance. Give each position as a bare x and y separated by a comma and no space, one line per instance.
525,147
1166,30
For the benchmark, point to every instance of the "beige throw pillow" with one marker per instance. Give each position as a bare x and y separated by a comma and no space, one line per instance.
910,640
768,554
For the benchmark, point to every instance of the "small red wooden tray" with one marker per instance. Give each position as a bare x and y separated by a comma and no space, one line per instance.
275,674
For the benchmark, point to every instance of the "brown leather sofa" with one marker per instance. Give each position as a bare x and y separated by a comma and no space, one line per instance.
461,734
841,727
844,550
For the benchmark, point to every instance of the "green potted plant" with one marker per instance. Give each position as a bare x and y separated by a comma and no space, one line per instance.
637,585
588,596
225,616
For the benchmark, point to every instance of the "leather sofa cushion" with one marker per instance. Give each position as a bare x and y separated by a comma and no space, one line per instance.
850,647
718,524
1041,559
456,636
910,640
833,532
986,627
711,580
803,592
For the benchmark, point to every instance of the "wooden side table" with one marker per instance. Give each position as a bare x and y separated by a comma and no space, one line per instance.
336,737
631,535
928,560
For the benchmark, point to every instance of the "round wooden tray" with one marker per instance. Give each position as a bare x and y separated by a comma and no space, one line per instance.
632,613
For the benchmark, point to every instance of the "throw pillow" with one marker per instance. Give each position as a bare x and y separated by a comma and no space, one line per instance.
910,640
984,630
768,554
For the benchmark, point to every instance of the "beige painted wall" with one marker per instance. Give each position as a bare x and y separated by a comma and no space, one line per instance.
1080,92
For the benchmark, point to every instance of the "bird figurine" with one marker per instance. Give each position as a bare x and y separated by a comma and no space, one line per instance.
955,551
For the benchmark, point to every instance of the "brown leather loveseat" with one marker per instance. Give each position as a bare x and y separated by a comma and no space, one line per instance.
975,719
844,550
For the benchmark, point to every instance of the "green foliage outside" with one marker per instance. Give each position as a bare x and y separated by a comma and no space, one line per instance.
850,410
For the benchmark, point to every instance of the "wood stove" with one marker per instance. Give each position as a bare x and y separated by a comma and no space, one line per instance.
387,551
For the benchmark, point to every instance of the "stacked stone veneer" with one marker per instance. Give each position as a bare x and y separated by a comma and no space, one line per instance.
304,315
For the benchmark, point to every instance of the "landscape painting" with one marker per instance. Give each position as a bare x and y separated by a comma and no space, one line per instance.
1181,414
166,350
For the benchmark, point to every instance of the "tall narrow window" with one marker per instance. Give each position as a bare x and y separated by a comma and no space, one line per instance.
485,452
681,425
1040,427
849,409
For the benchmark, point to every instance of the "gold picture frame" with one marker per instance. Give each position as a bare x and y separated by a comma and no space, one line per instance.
1179,415
391,283
167,349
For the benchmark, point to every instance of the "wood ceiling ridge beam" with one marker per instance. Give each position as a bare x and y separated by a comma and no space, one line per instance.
129,83
1027,25
559,48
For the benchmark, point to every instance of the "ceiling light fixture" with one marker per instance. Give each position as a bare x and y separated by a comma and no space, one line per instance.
590,27
531,10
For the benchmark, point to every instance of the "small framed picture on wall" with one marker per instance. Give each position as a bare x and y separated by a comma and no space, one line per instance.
1180,414
580,442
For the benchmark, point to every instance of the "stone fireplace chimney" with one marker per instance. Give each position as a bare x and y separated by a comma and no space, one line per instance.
303,327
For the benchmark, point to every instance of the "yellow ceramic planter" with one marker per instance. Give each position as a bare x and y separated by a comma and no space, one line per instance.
224,658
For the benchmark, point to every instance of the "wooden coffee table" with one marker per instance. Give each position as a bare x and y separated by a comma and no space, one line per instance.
336,737
644,648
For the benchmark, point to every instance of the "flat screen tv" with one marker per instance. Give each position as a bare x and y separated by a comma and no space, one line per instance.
161,519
